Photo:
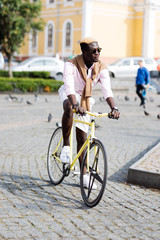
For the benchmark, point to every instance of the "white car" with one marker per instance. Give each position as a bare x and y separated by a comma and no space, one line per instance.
49,64
127,67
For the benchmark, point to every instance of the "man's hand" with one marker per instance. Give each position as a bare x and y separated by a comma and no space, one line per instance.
114,114
78,109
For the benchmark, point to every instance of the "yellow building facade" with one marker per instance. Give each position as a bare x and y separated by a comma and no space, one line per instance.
122,27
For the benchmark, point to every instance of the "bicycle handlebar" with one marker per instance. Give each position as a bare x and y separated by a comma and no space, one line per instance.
96,114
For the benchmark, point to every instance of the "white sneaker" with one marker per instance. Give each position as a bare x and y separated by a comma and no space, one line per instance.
65,155
86,182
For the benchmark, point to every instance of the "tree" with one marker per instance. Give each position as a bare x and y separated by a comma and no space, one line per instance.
17,18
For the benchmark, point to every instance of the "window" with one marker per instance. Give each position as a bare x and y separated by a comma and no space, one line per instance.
49,39
37,63
67,38
50,63
34,39
68,34
50,3
68,2
125,63
50,35
149,61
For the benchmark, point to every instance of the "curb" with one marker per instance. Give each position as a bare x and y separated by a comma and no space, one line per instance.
143,177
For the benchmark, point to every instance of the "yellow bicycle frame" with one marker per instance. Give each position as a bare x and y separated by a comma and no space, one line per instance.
89,139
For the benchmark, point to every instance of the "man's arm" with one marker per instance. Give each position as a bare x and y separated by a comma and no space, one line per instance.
75,105
114,110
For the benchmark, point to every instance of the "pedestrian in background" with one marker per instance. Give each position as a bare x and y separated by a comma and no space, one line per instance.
142,79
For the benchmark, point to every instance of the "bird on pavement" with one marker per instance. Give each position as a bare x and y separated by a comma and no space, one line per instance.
146,113
36,97
58,124
28,102
151,99
102,99
126,98
49,117
13,98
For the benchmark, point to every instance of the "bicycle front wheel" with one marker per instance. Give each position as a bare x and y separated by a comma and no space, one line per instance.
54,165
95,168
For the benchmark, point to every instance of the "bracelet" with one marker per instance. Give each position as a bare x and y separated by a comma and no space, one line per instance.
75,105
115,108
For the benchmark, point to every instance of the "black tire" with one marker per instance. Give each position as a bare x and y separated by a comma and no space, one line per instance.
59,76
54,166
97,174
111,74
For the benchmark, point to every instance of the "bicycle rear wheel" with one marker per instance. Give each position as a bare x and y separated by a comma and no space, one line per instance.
54,165
96,172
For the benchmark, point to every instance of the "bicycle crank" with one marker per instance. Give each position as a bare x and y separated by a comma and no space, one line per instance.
66,169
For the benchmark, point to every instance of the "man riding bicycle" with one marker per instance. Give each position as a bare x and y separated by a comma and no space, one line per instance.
81,73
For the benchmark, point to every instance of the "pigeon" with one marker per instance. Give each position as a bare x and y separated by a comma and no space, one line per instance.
146,113
46,100
13,98
36,97
97,125
126,98
29,103
151,99
58,124
102,99
49,117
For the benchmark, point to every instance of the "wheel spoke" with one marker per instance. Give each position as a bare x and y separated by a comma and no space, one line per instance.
54,165
97,174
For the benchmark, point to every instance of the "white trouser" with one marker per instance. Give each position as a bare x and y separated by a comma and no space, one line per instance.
86,118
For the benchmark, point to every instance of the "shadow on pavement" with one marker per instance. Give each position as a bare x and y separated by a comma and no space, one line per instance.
122,174
35,193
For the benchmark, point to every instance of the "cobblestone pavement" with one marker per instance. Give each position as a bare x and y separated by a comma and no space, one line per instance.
32,208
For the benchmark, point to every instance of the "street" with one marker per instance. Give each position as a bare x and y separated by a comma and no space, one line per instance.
32,208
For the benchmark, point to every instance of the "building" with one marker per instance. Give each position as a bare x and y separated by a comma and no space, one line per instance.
123,28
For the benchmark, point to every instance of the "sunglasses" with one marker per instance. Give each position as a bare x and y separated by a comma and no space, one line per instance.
96,50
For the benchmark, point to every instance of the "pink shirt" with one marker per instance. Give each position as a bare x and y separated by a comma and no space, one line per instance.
74,83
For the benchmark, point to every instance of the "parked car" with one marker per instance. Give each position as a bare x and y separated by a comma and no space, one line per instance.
127,67
14,63
158,64
1,61
48,64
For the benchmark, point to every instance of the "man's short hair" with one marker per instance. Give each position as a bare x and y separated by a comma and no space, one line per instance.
85,42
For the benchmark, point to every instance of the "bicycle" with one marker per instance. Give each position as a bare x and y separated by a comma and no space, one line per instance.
94,161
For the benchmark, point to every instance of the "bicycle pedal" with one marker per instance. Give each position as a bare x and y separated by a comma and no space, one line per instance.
66,169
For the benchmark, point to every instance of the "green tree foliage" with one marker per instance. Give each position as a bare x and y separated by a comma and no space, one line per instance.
17,18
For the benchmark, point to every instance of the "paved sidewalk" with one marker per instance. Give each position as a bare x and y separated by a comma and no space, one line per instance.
32,208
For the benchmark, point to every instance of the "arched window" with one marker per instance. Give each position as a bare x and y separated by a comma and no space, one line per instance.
50,3
68,34
34,40
67,42
50,36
